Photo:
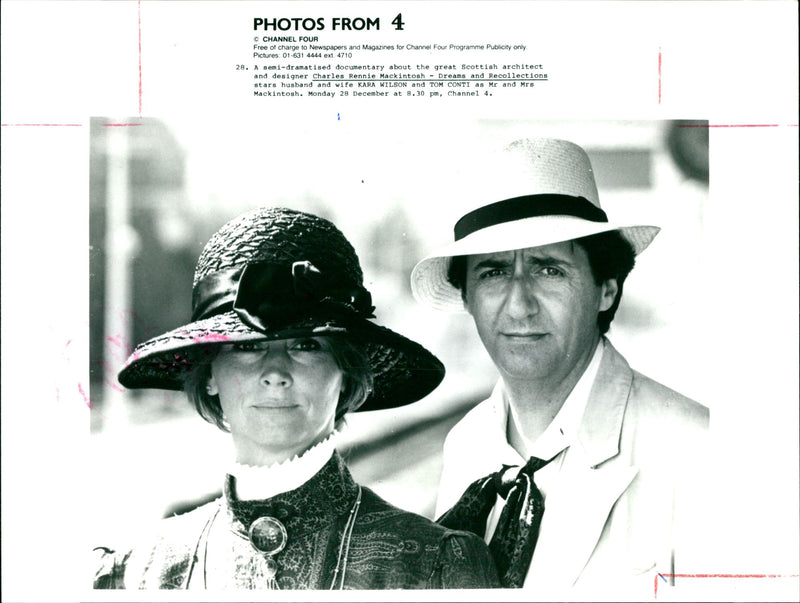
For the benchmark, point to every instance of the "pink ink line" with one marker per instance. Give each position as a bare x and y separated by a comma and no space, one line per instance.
139,10
113,386
659,75
738,126
655,582
49,125
85,397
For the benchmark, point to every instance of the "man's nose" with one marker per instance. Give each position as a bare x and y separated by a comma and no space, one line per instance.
521,299
275,368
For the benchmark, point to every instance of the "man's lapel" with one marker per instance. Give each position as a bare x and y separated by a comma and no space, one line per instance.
576,511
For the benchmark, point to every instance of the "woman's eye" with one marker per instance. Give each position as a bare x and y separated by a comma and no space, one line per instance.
307,345
248,346
244,347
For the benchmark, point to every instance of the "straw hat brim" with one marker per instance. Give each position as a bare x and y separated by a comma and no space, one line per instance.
429,282
403,371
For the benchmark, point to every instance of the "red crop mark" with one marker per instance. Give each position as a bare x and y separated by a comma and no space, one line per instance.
659,75
139,16
738,126
139,23
44,125
665,576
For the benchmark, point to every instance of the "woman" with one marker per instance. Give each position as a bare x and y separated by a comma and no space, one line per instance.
278,351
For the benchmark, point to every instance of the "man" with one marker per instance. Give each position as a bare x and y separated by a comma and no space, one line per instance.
607,451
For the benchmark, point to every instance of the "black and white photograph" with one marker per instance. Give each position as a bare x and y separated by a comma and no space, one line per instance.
535,196
495,329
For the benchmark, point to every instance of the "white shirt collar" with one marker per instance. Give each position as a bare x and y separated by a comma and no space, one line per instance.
563,429
258,483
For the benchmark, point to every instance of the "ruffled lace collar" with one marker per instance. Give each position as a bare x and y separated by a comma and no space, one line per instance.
329,494
258,483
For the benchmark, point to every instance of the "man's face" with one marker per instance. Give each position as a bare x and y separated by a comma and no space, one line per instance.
536,309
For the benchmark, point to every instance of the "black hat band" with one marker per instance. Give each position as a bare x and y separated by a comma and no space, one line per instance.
266,294
528,206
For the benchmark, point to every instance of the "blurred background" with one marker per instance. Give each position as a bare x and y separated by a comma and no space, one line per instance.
161,188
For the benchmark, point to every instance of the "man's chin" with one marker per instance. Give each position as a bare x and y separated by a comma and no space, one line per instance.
514,367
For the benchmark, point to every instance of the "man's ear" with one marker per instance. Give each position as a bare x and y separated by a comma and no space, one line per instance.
608,293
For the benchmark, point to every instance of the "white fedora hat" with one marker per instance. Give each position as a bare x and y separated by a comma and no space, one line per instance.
543,192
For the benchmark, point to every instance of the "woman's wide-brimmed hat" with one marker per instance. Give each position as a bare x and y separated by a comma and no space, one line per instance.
535,192
276,273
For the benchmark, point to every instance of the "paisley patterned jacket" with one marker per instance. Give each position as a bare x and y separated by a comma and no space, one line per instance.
387,548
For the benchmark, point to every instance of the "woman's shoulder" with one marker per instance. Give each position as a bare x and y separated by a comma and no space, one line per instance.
382,517
179,523
380,513
160,554
438,556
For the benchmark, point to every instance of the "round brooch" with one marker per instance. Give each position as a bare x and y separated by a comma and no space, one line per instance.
268,535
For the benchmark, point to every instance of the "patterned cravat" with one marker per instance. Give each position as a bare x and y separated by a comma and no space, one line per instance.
518,527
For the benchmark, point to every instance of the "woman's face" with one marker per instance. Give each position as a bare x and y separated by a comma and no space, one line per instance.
278,397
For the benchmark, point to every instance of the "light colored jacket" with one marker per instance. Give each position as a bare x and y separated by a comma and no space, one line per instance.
628,501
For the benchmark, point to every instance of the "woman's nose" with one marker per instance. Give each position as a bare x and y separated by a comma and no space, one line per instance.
275,368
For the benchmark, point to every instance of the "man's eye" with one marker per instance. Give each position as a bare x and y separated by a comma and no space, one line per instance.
551,271
493,272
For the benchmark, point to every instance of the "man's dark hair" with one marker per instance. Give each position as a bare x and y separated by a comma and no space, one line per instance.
610,256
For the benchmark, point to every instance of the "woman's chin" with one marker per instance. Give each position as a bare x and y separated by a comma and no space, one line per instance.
276,444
